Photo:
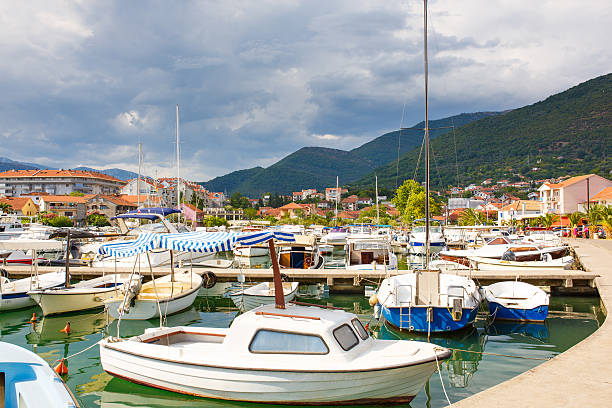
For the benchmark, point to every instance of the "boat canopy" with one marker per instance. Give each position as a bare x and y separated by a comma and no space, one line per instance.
151,213
30,244
206,242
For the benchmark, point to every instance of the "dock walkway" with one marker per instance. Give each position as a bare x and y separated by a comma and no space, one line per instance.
579,377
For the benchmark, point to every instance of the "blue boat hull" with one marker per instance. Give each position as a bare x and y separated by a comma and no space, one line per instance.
499,312
415,319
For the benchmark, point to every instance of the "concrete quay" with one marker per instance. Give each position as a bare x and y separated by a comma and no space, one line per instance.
579,377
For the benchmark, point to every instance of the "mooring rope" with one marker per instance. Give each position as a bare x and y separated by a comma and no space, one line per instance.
441,381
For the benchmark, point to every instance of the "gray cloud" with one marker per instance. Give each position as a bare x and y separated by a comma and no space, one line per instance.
82,83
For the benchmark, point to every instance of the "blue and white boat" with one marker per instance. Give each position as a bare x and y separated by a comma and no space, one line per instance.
417,244
29,382
428,301
513,300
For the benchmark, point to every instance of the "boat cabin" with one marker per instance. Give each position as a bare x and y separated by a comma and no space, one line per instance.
366,251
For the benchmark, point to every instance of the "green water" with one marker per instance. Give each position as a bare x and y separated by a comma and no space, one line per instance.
570,320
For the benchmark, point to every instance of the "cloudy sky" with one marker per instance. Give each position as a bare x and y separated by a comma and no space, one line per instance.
81,82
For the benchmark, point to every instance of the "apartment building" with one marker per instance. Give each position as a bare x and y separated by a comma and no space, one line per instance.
16,183
564,197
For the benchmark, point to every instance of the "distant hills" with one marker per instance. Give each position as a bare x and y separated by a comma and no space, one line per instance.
566,134
317,167
8,164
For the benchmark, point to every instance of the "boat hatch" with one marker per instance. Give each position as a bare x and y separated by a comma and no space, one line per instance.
282,342
345,336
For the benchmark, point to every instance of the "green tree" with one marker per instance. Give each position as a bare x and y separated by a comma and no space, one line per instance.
574,219
250,213
472,217
212,221
6,208
97,220
77,193
594,216
61,221
606,221
548,220
409,199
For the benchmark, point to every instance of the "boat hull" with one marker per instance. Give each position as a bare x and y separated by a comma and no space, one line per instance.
415,318
251,251
418,248
12,301
147,309
397,385
65,301
500,312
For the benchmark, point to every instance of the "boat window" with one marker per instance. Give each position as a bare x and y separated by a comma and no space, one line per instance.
346,337
272,341
360,329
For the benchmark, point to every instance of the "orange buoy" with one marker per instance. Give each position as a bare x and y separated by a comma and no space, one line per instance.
33,319
66,329
61,368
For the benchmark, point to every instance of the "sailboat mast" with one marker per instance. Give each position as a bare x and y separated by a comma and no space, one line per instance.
426,140
178,164
337,196
139,172
377,216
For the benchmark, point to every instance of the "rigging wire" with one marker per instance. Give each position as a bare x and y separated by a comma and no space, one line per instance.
399,138
455,144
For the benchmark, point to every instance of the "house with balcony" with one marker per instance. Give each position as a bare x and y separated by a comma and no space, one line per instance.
566,196
518,210
109,205
73,207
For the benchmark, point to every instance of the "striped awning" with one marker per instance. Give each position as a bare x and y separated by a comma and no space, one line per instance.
208,242
146,241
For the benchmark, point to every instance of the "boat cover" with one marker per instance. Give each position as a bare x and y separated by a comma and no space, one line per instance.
27,244
206,242
152,213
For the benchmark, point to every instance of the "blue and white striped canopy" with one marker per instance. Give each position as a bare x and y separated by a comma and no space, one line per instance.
146,241
208,242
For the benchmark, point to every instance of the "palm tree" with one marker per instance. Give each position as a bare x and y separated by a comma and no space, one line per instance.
548,220
594,215
606,221
574,219
472,217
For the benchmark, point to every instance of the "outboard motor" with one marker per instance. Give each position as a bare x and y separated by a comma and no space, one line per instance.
508,256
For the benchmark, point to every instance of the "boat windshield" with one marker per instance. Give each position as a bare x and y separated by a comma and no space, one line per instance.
369,245
432,228
279,342
360,329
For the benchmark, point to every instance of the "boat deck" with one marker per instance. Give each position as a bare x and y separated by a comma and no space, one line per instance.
580,377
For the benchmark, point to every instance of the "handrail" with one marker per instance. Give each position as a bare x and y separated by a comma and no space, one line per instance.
286,315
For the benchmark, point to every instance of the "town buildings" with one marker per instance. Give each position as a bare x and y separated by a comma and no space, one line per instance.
564,197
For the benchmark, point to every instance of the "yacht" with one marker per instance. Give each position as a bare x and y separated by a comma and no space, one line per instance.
416,240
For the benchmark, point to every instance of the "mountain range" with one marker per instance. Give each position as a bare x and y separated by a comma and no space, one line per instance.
565,134
317,167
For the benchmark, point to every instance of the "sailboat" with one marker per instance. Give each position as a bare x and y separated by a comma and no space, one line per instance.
289,354
427,300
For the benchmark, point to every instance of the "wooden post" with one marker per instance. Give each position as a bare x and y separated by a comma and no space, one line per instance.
67,283
279,293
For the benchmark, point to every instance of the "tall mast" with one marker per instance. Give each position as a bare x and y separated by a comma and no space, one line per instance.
377,216
178,164
337,197
139,172
426,140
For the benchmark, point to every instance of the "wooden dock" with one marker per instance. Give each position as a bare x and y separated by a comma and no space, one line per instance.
343,280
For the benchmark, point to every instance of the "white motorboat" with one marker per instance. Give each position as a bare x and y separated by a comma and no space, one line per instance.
14,294
295,355
85,295
373,253
29,382
335,238
416,240
261,294
166,295
514,300
501,264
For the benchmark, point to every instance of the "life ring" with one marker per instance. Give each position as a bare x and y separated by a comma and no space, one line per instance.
209,279
284,277
307,261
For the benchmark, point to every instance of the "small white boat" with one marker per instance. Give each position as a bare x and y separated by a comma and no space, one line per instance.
29,382
85,295
261,294
513,300
416,242
373,253
14,294
295,355
212,263
166,294
501,264
251,251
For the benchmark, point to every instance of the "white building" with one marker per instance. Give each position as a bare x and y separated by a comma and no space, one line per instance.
15,183
565,197
519,210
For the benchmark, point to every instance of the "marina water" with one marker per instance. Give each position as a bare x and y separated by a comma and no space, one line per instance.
571,319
